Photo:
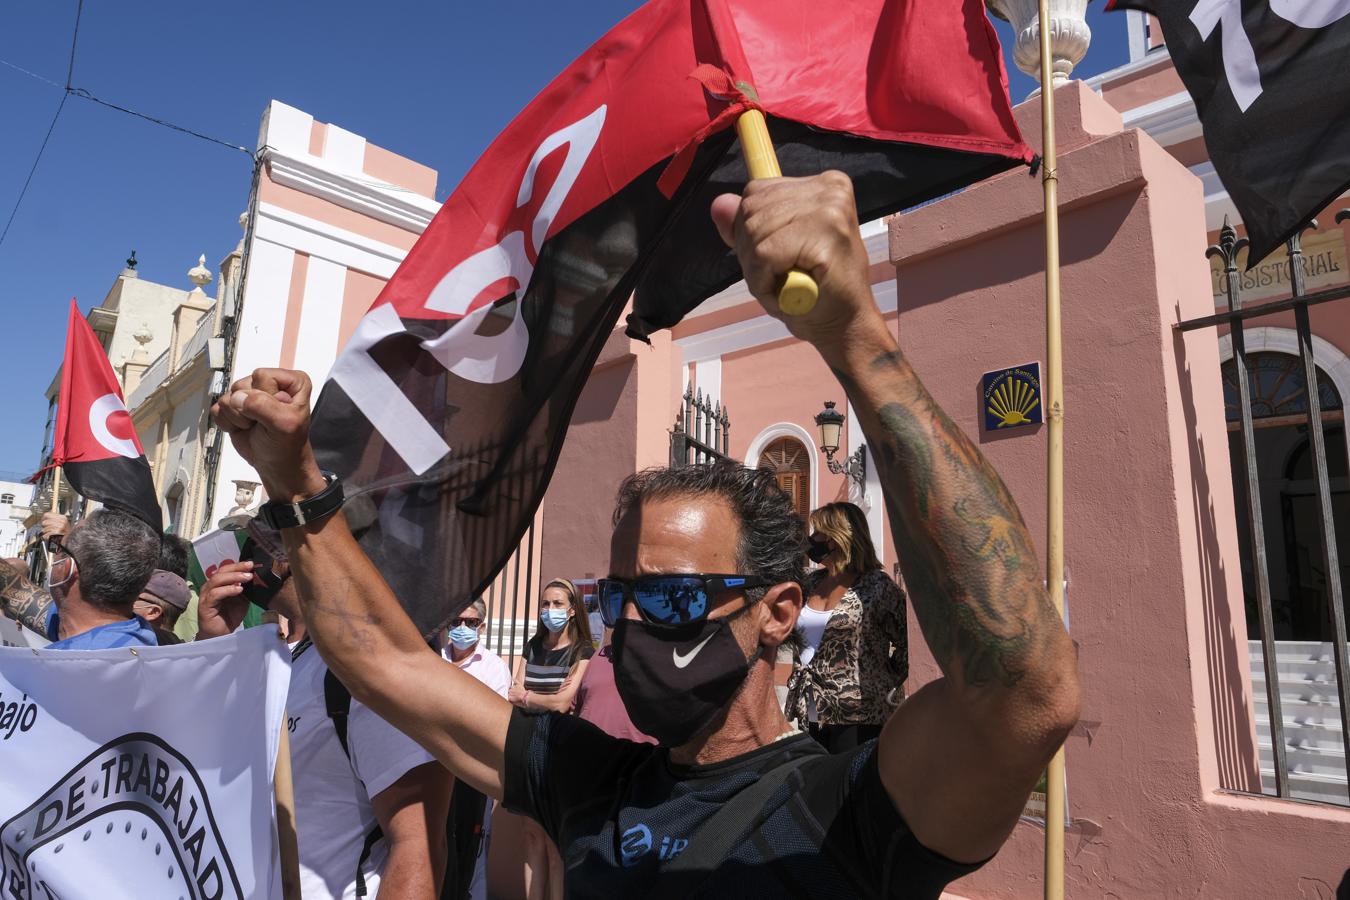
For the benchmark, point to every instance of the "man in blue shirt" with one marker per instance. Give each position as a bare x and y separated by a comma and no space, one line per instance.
96,575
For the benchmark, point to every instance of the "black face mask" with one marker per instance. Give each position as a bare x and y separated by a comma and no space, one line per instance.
817,551
674,681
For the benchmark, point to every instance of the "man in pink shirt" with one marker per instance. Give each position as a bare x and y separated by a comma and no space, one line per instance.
471,811
598,700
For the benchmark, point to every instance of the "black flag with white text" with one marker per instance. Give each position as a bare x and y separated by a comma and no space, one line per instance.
1268,81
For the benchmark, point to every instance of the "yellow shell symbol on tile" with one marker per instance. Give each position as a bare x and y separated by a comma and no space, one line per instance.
1012,402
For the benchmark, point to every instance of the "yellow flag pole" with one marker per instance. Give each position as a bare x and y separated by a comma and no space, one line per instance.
56,489
1054,407
799,292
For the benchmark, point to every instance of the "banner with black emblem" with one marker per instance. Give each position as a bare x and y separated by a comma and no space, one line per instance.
118,784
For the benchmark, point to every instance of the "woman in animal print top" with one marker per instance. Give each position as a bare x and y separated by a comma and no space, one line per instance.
851,668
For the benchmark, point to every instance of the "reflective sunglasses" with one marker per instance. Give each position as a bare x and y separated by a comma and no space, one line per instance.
668,599
465,620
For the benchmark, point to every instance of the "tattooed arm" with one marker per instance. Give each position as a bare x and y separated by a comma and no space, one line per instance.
22,600
960,756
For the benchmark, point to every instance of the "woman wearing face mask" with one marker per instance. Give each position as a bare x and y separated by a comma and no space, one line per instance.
546,678
851,670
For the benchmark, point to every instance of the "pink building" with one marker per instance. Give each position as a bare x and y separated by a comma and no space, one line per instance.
1171,773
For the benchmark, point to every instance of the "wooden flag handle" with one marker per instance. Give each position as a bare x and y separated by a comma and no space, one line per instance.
799,292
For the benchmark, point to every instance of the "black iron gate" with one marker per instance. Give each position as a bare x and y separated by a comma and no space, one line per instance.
1227,250
702,432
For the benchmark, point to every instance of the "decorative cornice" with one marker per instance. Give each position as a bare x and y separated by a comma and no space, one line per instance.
378,199
1169,120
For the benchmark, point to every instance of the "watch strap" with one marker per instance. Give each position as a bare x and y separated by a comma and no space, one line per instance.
280,515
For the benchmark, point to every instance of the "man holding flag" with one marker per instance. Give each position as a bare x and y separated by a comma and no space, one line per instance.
734,800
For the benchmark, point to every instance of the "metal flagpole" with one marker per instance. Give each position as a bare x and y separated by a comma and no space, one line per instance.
799,292
1054,407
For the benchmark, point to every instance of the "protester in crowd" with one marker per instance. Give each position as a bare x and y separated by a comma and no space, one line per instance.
166,596
555,658
370,805
598,700
94,577
706,583
470,809
546,680
854,656
161,602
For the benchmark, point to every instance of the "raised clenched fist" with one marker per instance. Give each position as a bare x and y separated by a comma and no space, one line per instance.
810,224
266,415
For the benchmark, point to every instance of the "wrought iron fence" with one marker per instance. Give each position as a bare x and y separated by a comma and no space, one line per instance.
1266,652
512,598
702,432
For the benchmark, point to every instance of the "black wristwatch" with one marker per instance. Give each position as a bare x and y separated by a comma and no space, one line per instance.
280,515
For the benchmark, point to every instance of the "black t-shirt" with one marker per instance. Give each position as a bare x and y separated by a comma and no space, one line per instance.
618,810
546,670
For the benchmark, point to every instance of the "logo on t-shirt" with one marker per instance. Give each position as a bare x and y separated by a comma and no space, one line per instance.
135,798
637,842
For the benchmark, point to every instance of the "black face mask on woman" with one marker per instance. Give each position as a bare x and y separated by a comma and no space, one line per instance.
674,680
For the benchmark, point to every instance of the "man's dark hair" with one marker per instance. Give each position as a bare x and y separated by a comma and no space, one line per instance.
173,555
116,553
773,536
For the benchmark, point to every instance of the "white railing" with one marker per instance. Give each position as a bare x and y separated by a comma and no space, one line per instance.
197,342
1310,707
150,379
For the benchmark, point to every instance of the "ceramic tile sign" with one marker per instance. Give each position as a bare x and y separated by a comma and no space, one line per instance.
1012,397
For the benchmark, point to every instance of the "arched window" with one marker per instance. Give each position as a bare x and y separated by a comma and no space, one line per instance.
1276,382
790,463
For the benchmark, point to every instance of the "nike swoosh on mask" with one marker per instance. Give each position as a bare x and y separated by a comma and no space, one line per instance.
682,661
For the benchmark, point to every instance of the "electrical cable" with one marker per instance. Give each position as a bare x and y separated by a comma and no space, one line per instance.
81,92
67,91
29,180
74,38
55,84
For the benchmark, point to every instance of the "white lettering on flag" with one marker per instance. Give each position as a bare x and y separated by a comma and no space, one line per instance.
461,350
1239,57
146,775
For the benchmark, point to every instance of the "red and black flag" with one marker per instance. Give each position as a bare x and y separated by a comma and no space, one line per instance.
95,443
445,412
1268,83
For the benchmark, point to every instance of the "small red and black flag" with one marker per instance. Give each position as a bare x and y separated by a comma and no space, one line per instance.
1267,81
95,444
445,413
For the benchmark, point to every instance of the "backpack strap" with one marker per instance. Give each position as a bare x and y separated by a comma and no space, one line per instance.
337,701
721,832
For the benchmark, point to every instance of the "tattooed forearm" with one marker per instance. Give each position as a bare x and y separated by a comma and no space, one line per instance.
24,601
968,559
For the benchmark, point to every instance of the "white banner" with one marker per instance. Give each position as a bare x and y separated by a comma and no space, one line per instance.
141,772
12,634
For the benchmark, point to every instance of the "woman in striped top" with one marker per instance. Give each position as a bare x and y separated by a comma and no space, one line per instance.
546,679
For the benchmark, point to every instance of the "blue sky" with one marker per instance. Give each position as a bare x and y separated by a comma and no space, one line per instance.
434,82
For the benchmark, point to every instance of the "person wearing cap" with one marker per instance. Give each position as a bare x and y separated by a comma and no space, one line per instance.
161,602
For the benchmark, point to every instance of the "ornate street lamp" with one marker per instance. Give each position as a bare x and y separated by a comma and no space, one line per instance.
830,421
